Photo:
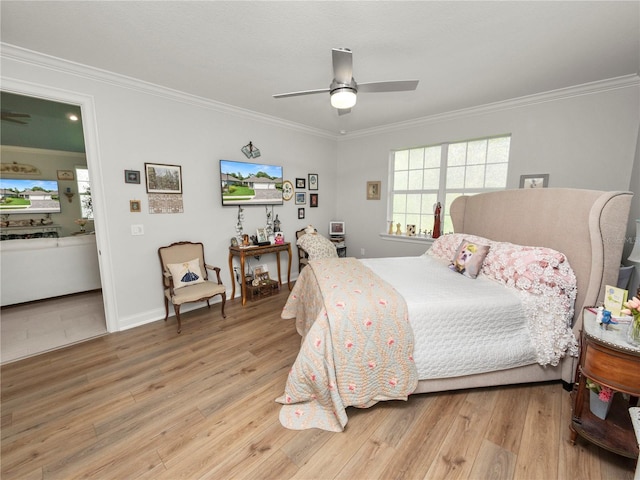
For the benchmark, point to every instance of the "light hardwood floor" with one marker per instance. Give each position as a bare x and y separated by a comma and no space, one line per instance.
149,403
35,327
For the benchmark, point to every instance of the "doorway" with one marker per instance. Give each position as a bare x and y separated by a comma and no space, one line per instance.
88,129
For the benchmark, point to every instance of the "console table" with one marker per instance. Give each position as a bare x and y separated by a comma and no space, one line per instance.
35,231
608,359
254,251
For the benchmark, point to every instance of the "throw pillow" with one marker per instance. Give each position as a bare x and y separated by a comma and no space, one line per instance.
468,258
317,246
186,273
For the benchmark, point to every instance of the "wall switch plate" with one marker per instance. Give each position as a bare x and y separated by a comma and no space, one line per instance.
137,229
362,251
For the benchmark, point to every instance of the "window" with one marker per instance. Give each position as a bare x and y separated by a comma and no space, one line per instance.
421,177
84,192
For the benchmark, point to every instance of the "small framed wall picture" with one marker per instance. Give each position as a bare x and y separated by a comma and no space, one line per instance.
313,181
373,190
301,183
301,198
313,200
134,206
131,176
66,175
539,180
300,213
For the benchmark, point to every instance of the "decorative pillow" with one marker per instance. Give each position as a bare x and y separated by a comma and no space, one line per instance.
445,246
317,246
529,268
468,258
186,273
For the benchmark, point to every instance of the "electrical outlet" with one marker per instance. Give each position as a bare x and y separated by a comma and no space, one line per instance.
362,251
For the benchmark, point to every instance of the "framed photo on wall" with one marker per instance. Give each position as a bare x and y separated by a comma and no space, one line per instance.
66,175
301,198
131,176
134,206
313,181
300,213
540,180
373,190
313,200
163,178
301,183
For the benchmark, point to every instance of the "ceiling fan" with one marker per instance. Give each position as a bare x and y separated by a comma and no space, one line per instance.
13,117
344,89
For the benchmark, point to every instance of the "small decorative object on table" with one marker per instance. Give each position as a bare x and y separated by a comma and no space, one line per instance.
632,307
436,220
604,318
82,222
600,398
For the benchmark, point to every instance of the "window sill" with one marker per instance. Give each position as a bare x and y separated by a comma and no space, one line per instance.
403,238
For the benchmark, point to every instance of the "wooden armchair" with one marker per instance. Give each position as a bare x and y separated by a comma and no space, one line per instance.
303,257
185,279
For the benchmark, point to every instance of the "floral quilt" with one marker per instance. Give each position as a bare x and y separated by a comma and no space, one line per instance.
356,350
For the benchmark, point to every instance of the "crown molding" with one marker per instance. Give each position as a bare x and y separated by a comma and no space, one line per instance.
42,151
625,81
42,60
49,62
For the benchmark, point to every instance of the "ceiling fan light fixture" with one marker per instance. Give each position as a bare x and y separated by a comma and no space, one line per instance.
343,98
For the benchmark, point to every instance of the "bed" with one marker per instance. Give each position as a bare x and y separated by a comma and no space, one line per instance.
383,329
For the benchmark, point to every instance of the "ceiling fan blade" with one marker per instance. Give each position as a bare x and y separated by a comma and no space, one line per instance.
303,92
344,111
12,117
13,121
394,86
342,65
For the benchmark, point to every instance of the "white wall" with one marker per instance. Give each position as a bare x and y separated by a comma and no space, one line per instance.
137,123
586,140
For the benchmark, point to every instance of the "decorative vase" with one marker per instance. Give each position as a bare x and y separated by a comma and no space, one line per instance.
633,332
598,407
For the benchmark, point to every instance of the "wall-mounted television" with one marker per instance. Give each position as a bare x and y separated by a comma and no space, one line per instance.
20,195
245,183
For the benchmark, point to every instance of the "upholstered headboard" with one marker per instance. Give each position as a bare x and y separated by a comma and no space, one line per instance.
588,226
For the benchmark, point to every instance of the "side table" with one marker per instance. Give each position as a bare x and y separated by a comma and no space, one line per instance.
608,359
253,251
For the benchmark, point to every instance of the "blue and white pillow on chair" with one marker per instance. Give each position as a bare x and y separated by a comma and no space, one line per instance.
185,273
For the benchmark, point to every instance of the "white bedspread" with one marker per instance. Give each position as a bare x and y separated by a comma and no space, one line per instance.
485,330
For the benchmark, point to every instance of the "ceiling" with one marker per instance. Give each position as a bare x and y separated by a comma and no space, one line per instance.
48,126
240,53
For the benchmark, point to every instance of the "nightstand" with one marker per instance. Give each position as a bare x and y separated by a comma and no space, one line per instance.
606,358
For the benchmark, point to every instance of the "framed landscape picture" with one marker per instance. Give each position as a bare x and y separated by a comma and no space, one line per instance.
301,198
163,178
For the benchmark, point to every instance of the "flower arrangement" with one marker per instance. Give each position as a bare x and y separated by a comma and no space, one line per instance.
632,307
604,393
